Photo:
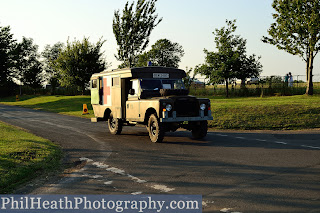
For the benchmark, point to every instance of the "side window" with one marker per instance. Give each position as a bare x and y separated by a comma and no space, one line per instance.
100,83
94,84
135,86
115,81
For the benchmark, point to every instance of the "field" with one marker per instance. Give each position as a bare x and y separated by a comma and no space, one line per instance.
276,112
24,156
283,112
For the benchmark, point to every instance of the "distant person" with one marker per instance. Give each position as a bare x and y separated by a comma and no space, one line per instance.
290,80
286,79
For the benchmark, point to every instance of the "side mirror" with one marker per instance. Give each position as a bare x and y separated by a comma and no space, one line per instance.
131,91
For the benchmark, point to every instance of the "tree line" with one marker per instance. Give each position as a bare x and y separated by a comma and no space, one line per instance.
296,30
69,65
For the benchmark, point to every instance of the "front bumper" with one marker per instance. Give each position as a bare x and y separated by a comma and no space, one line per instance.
165,117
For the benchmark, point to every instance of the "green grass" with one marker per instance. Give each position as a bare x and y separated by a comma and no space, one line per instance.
24,156
68,105
284,112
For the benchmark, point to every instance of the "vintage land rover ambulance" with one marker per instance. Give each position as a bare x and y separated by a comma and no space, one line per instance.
151,96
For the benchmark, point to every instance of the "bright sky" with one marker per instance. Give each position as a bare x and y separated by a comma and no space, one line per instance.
187,22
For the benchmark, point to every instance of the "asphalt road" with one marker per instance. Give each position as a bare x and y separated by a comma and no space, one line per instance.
234,171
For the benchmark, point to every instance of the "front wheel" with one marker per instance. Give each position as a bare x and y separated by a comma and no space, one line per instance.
155,129
115,125
200,130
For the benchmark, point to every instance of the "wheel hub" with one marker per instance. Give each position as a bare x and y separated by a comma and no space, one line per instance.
113,123
153,129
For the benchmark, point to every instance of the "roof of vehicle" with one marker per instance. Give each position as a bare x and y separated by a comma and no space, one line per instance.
144,72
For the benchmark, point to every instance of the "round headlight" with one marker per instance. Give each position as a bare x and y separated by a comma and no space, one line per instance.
203,106
169,107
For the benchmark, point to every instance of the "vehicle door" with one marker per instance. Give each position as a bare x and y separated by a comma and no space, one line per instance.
133,102
94,91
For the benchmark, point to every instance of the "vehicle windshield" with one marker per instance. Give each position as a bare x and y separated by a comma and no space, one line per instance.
157,84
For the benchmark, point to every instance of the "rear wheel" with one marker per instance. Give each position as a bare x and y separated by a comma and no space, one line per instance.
114,125
200,130
155,129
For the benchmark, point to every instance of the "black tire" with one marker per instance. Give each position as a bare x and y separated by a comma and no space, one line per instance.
114,125
155,129
200,131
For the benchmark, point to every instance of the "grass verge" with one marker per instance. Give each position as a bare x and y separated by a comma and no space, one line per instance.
284,112
277,112
68,105
24,156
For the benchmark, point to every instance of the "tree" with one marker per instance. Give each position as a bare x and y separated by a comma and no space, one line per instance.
143,60
163,53
27,65
230,60
32,76
189,79
50,54
249,67
133,28
297,31
7,44
78,61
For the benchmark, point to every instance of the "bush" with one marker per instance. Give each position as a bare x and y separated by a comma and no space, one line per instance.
8,89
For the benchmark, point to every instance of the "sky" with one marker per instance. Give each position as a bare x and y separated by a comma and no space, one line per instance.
187,22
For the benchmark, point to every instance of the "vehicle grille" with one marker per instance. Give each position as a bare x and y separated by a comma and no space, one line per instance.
186,107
